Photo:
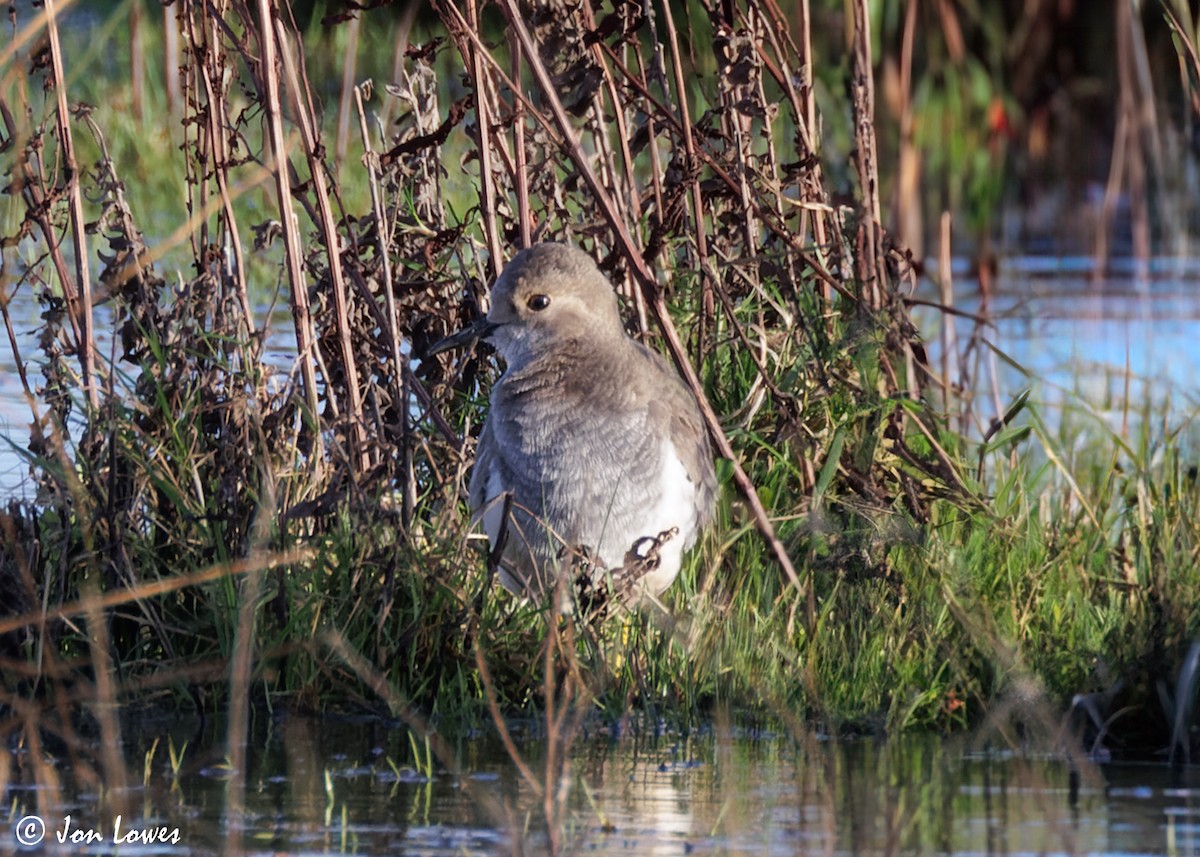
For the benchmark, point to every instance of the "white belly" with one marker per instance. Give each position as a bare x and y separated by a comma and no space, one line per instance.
634,513
674,508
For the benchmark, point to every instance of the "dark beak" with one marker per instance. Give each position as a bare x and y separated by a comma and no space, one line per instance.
481,329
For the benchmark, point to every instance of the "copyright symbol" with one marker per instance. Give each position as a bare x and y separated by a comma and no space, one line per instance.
30,830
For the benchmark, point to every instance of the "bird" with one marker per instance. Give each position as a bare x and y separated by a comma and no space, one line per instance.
593,447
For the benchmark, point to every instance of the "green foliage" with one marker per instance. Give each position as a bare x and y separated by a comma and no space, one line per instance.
938,573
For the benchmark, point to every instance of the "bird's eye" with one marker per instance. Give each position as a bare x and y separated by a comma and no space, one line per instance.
537,303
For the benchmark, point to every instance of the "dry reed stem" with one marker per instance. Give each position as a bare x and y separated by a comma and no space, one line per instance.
359,449
871,266
105,705
301,312
221,154
241,669
154,588
400,378
520,166
170,63
950,379
510,746
78,292
347,93
484,130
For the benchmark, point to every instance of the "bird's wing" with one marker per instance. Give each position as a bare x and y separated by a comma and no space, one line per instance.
485,460
688,433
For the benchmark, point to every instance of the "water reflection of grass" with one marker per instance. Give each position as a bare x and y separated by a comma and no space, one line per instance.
202,539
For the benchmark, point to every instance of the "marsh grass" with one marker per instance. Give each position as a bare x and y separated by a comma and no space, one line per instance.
205,536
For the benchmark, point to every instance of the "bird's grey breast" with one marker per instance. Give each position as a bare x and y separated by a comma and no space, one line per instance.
565,419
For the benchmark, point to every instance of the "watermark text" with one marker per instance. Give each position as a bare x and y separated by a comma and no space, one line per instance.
31,830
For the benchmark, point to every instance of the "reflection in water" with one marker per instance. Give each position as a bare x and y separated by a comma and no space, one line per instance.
320,787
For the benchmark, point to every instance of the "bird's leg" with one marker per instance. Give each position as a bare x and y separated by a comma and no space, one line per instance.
591,588
641,559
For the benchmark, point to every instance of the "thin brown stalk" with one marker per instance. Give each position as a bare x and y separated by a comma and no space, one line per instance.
908,209
619,112
14,346
740,129
870,261
950,310
105,704
805,113
194,19
779,33
1112,190
510,747
505,160
79,292
483,122
301,313
948,334
520,168
218,140
347,93
154,588
772,158
943,456
50,797
551,702
1149,129
403,32
310,134
689,148
137,62
604,153
631,193
170,70
399,389
656,167
241,670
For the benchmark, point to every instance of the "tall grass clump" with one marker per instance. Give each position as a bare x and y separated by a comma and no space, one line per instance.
215,527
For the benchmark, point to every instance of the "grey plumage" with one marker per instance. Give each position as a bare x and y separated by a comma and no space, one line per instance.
595,437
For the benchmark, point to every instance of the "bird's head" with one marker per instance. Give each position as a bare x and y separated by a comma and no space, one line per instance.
548,295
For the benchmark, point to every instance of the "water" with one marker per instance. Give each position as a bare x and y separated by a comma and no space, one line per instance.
321,787
1083,339
16,413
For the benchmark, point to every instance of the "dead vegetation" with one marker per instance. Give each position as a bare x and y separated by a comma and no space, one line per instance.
688,160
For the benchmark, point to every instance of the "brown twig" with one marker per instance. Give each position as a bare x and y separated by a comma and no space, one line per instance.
79,292
870,255
399,383
484,130
353,411
301,313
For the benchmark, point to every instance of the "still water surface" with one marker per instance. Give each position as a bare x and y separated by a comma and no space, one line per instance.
319,787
